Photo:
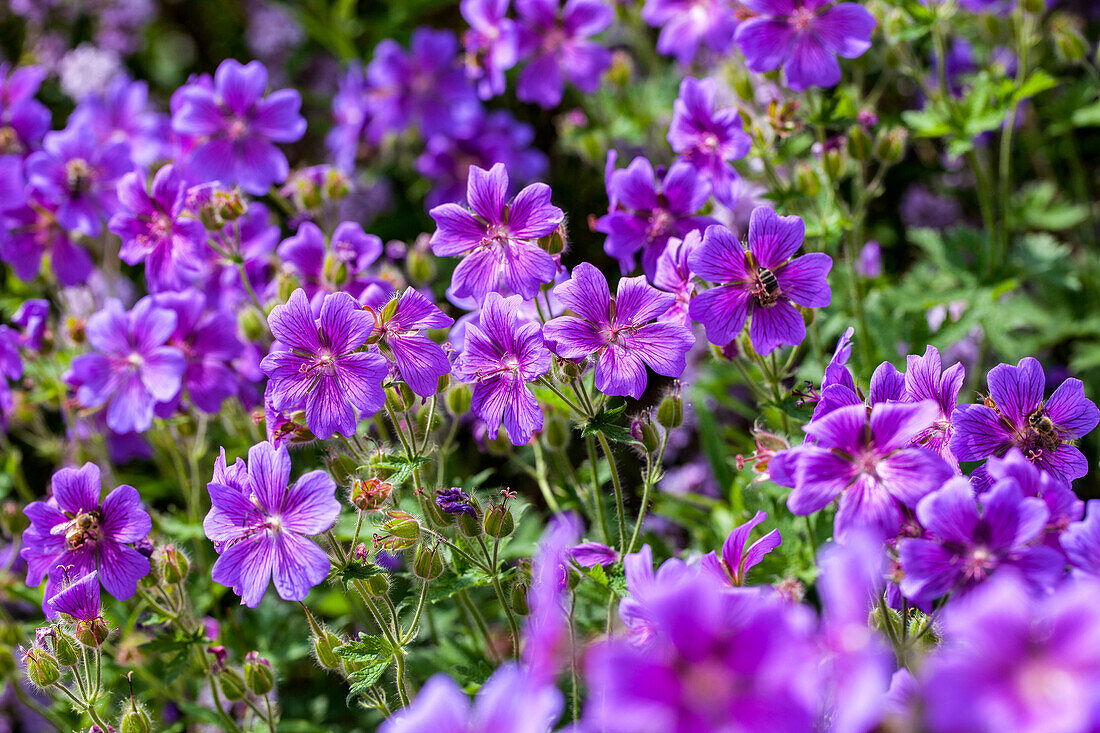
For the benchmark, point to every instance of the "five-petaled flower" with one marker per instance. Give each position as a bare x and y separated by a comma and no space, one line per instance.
399,330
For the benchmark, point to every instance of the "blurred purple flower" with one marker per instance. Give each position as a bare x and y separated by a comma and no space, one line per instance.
1081,541
492,44
556,39
338,264
547,638
736,561
869,264
208,341
709,138
686,24
23,119
674,276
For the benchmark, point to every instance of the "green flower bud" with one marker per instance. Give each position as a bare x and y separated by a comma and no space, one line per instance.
458,399
1033,6
402,525
555,242
443,383
334,269
65,648
670,413
519,599
399,397
135,720
428,564
42,668
498,521
173,564
890,145
287,285
257,674
642,430
420,265
1069,42
469,526
806,180
859,143
324,648
92,633
377,585
251,325
835,162
232,684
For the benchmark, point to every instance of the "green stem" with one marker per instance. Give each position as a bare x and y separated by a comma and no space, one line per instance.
653,469
597,499
620,510
513,628
416,615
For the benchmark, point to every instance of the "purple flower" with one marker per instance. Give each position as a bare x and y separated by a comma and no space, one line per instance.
454,501
591,554
805,41
1011,661
556,38
870,260
688,23
208,341
492,44
674,276
122,114
32,317
261,528
501,355
237,127
23,119
132,368
74,530
80,599
869,462
496,239
763,282
643,584
709,138
971,537
1016,415
156,229
620,332
736,561
926,379
78,175
28,232
339,264
1062,504
420,360
547,641
322,369
510,700
719,660
644,214
1081,540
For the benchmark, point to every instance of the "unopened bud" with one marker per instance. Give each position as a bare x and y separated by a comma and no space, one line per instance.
65,648
324,647
459,398
399,397
428,564
806,180
257,674
420,265
135,720
371,494
670,413
42,668
555,242
890,145
557,432
377,585
1033,6
498,521
642,430
92,633
251,325
1069,41
232,684
334,270
173,564
859,143
519,599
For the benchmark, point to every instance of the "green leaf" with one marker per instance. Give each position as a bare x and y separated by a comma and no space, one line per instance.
450,583
1038,81
354,570
606,421
374,653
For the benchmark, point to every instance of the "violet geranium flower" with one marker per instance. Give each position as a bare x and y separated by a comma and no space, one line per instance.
132,368
208,340
763,282
709,138
155,229
967,542
621,332
557,39
80,599
737,560
261,528
1016,415
496,239
674,276
686,24
869,462
500,356
74,529
645,213
491,43
237,127
322,369
803,39
399,330
1081,540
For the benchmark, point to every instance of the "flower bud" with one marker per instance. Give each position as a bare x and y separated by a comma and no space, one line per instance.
134,720
334,270
458,399
399,397
287,284
498,521
890,145
519,599
859,143
420,265
428,564
642,430
1069,42
232,684
92,633
172,564
324,648
377,585
257,674
402,525
557,432
42,668
835,161
64,648
555,242
670,413
252,327
371,494
806,180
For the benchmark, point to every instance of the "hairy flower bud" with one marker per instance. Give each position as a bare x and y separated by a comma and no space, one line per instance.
42,668
519,599
459,398
172,564
859,143
498,521
555,242
420,265
257,674
399,397
670,413
232,684
92,633
890,145
65,648
642,430
134,719
371,494
401,530
557,432
428,564
324,648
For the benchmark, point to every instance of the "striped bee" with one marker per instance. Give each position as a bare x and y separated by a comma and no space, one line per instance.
768,289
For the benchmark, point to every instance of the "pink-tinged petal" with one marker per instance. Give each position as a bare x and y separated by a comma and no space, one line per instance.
311,507
572,338
293,324
457,230
866,508
894,425
343,325
1074,415
766,43
478,273
124,519
635,186
269,471
486,192
951,512
773,239
586,293
811,64
299,565
910,474
930,570
636,301
722,311
421,362
843,428
161,372
663,347
820,477
1017,390
978,434
803,280
240,86
328,411
620,372
120,568
531,214
525,267
76,490
719,257
278,117
775,325
845,29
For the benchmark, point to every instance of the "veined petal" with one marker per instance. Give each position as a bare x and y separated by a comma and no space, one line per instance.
620,372
298,565
311,507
